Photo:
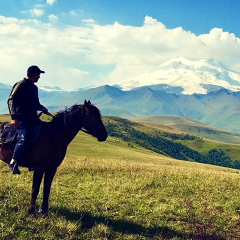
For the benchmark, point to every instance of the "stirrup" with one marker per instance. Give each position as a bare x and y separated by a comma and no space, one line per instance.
14,168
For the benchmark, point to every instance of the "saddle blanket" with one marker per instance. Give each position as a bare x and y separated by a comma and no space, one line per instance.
8,133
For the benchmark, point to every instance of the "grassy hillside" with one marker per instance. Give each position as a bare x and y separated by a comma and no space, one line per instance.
117,190
210,138
180,146
184,125
112,191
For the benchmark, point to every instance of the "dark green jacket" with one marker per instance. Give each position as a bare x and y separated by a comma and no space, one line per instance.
23,101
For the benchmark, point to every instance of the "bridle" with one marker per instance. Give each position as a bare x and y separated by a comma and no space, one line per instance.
85,131
87,114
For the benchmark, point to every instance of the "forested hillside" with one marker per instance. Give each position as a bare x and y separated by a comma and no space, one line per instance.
166,143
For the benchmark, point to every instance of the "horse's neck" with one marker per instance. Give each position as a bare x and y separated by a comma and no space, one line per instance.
68,135
66,130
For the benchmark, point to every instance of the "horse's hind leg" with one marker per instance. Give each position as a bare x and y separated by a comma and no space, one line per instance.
48,178
37,179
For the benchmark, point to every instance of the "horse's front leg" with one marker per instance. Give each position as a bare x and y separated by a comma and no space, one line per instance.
48,178
37,179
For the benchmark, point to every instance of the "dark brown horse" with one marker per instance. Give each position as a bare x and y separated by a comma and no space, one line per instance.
48,151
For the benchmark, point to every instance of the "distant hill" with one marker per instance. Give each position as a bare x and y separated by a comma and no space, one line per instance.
175,145
184,125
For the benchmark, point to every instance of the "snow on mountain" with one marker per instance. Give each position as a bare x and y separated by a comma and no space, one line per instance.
192,76
51,89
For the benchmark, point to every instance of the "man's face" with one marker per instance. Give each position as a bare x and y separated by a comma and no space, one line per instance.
35,77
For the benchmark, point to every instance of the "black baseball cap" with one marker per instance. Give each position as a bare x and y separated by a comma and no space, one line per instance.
34,69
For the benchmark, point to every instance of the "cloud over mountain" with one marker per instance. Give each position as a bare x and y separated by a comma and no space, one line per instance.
93,54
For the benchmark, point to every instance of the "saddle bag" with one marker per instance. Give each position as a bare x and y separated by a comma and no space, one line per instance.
8,133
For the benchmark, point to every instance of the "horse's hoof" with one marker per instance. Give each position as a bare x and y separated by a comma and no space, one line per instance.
31,211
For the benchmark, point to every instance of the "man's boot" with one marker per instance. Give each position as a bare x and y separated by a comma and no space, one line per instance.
13,166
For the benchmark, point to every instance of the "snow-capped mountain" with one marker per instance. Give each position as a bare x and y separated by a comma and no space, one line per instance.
190,76
51,89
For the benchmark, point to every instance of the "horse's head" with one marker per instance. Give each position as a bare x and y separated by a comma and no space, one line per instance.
92,121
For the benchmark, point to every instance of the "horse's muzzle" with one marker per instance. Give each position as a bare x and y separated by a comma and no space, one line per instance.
102,137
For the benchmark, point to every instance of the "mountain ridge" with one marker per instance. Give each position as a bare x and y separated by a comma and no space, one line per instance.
220,108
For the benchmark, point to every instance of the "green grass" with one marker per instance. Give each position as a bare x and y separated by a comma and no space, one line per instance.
204,146
183,125
4,118
111,191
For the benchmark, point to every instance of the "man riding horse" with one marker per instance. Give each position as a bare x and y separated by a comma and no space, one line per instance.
23,104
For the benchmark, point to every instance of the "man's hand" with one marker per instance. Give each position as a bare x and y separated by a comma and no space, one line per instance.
14,122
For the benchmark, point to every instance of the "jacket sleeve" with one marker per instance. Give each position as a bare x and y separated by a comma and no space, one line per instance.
12,100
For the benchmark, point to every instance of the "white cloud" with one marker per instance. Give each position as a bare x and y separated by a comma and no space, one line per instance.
73,13
51,2
66,53
53,18
74,76
223,46
36,12
89,21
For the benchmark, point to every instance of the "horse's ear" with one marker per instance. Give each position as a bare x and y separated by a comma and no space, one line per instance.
87,104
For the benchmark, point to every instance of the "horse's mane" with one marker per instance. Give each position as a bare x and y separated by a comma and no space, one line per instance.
69,116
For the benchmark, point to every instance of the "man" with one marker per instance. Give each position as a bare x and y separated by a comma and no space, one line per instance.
23,104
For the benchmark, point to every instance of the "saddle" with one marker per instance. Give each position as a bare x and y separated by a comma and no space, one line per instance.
8,137
8,133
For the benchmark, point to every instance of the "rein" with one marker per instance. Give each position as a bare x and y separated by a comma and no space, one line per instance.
47,113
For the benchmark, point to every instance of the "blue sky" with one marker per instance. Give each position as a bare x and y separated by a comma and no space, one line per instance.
82,43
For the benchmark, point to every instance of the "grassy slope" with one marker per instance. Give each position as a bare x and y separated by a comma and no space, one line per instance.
111,191
184,125
4,118
211,137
